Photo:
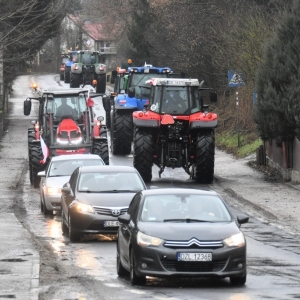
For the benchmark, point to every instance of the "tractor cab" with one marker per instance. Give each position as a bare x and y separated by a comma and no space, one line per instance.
176,96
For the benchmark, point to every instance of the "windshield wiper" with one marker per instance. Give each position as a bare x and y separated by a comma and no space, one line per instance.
186,220
58,175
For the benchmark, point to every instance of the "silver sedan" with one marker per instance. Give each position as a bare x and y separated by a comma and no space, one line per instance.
57,173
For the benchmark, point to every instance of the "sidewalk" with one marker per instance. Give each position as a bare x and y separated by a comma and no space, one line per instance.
19,259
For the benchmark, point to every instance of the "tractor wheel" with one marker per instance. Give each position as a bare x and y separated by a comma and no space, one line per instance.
121,132
100,147
36,166
107,119
67,76
62,76
31,137
205,157
74,80
143,154
101,84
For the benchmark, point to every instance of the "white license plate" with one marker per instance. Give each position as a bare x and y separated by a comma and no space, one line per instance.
194,257
111,223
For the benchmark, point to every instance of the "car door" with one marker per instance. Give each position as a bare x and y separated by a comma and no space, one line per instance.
127,230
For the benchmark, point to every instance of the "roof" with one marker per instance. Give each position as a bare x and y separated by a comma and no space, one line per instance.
178,191
108,169
75,157
65,91
173,82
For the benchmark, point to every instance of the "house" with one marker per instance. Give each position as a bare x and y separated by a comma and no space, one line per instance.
89,36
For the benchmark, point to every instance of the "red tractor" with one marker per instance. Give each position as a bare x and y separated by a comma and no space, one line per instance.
66,124
176,130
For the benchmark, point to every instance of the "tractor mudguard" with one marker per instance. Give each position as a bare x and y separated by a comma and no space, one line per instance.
203,120
76,68
146,119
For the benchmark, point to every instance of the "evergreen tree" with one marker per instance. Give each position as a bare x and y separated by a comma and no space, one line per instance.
137,32
278,106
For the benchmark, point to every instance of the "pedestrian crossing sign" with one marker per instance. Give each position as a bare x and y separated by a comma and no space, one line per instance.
235,79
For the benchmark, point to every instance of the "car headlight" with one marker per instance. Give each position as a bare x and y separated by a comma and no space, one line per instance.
145,240
236,240
84,208
53,190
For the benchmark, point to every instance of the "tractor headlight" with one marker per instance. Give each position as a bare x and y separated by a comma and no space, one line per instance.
62,142
76,141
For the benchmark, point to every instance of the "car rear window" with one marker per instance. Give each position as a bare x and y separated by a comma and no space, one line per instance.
67,167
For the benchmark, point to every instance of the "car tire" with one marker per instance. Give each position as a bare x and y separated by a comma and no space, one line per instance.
134,279
121,271
238,281
64,227
73,235
44,209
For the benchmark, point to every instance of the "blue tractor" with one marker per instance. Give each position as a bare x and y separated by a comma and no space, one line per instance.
67,70
134,96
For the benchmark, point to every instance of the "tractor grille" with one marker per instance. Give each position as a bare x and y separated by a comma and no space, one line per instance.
74,134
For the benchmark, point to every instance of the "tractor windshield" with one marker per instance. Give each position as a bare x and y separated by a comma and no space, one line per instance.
175,100
67,106
88,58
138,80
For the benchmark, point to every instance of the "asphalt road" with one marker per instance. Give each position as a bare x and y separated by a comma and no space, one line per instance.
87,270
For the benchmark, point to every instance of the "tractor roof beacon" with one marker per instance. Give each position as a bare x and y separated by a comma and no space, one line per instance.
88,70
66,124
175,129
132,97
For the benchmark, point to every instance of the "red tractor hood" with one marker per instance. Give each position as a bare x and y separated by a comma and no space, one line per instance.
67,125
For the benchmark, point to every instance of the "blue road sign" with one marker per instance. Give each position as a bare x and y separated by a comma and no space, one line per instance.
235,79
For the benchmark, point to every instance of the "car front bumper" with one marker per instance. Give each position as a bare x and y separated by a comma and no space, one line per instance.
162,262
92,223
53,202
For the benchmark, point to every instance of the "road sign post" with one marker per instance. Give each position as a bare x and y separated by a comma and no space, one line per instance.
236,80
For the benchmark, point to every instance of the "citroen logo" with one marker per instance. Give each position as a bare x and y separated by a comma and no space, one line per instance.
115,212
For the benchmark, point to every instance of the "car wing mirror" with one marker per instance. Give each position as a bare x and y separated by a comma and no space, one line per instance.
153,187
42,174
242,219
125,219
66,190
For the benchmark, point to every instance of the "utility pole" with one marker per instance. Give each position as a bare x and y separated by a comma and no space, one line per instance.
237,117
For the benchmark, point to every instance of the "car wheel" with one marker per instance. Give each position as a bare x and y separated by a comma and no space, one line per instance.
44,209
238,281
64,228
121,271
73,235
134,279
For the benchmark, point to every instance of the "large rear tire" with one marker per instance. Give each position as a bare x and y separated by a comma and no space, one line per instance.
74,80
36,166
100,147
107,119
205,157
143,153
67,75
121,131
101,84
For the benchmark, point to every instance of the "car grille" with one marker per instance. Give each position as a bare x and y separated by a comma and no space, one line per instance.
194,244
193,266
110,211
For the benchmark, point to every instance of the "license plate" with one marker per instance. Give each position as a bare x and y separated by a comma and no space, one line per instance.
194,257
111,223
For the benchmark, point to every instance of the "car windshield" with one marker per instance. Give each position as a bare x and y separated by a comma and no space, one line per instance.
184,208
67,167
110,182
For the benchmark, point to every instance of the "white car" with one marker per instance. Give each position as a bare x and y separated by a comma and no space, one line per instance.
57,173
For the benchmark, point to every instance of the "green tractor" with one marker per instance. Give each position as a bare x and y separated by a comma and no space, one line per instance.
88,70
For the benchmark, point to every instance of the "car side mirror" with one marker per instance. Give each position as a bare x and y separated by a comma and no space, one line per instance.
66,190
153,187
213,97
27,107
242,219
125,219
42,174
131,92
